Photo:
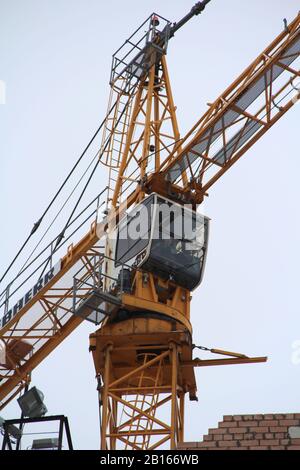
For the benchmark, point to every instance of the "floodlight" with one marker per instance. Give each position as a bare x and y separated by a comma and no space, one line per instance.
11,429
41,444
32,403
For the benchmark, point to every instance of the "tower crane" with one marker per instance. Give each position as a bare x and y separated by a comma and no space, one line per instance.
133,272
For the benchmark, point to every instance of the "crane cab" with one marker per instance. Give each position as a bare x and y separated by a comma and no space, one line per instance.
164,238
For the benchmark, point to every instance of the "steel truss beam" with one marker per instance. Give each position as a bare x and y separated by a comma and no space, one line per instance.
142,406
137,426
267,89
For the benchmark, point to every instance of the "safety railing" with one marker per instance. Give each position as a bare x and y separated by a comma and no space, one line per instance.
96,295
130,61
47,256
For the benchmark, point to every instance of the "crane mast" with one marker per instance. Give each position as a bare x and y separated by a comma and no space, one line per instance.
138,289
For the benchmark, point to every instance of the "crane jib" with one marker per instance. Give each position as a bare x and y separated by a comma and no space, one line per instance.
243,112
30,294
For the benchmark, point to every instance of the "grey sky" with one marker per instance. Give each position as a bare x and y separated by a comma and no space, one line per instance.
55,58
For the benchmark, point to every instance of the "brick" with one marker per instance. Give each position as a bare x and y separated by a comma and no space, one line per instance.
238,437
237,418
269,442
206,450
248,417
284,442
258,448
259,429
227,418
228,443
270,422
218,431
247,423
208,445
188,445
236,448
238,430
252,432
252,442
288,416
295,442
289,422
282,429
228,425
258,417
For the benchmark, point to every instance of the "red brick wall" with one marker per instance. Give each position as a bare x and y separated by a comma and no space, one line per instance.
250,432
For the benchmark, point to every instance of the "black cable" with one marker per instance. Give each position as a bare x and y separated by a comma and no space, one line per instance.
202,348
74,220
52,241
38,223
81,195
198,8
45,260
17,255
56,216
61,235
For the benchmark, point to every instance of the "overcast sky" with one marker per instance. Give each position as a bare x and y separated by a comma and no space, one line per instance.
55,59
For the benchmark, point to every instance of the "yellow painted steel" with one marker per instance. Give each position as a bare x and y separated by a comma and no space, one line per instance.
145,361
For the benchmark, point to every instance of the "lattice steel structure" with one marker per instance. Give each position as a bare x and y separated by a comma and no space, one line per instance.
143,348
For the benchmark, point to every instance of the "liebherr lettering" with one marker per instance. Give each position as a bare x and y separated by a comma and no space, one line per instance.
30,294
